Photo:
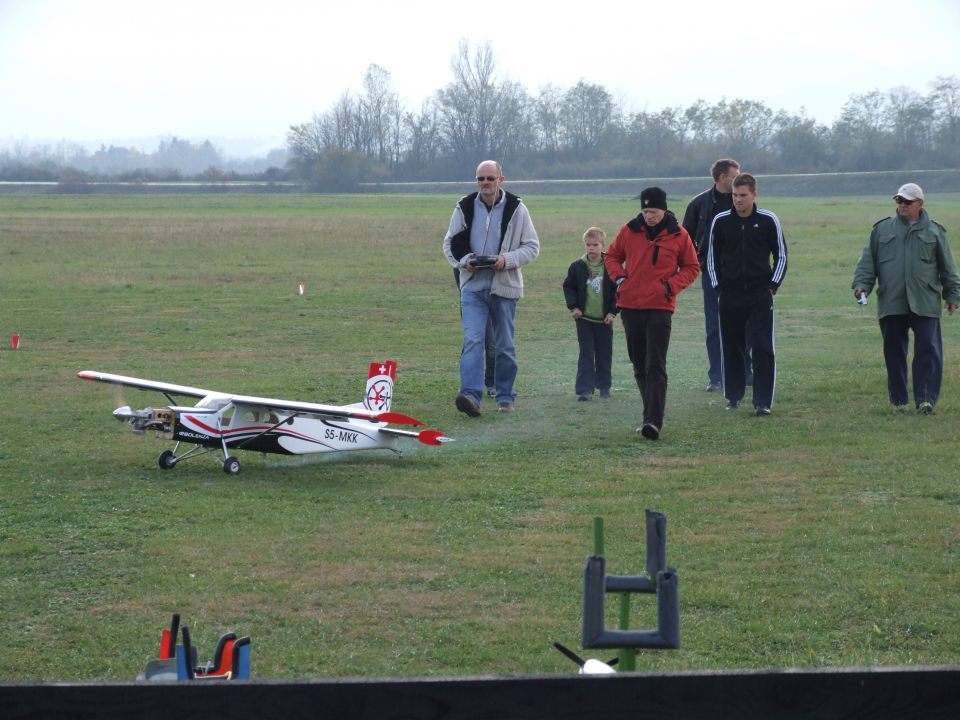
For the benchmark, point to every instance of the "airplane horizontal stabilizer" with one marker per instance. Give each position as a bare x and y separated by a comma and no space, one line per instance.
432,437
392,417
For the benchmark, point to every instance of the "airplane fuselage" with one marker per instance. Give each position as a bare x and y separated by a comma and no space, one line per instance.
285,435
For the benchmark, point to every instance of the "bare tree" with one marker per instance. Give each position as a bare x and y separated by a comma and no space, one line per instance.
801,144
910,118
306,141
698,121
744,125
657,140
587,111
512,131
379,111
468,104
945,102
423,138
548,109
860,135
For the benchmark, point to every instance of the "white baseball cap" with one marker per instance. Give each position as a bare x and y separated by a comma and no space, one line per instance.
910,191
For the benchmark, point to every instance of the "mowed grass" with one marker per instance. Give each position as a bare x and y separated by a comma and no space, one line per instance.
825,535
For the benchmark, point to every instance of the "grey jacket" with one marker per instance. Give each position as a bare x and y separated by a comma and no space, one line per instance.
520,245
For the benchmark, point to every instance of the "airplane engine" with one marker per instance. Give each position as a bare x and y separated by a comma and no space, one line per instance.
158,419
162,422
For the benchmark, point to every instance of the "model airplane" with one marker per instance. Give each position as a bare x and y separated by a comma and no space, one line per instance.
221,421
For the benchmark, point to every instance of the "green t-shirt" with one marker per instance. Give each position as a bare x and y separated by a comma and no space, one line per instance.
594,305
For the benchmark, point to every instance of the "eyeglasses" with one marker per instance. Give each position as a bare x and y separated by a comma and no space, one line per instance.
488,178
904,201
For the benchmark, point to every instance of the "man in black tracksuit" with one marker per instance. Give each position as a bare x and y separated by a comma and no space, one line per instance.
742,242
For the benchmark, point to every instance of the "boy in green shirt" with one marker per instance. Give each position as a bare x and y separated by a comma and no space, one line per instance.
591,299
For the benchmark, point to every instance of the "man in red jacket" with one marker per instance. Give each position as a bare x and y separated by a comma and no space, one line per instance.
651,261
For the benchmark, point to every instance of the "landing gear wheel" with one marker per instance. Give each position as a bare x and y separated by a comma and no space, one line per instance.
167,459
231,466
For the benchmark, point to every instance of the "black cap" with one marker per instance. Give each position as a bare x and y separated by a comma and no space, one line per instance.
653,197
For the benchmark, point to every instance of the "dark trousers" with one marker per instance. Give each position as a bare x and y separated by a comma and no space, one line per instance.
711,322
648,337
596,356
927,357
747,321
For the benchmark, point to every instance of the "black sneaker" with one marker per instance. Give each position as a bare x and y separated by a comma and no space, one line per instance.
714,387
762,411
925,408
732,405
467,405
650,431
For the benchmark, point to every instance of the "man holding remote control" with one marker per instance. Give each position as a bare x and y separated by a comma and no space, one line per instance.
490,237
910,260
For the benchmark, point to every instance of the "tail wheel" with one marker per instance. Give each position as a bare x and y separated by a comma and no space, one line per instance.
167,459
231,466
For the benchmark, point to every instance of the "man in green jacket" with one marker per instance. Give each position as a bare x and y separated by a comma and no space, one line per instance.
909,258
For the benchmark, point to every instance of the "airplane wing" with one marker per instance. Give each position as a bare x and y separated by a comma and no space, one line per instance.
144,384
318,410
323,411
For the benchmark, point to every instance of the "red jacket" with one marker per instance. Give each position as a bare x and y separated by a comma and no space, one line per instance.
656,270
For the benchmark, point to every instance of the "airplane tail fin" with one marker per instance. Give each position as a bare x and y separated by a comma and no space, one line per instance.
379,391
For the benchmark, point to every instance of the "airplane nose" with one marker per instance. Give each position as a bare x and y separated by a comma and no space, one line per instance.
123,413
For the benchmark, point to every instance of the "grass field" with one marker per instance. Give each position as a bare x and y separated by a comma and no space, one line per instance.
825,535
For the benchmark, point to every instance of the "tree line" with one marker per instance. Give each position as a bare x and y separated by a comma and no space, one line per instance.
556,133
582,132
173,160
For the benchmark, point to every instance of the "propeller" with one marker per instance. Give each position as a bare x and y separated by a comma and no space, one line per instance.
123,412
590,666
137,419
119,400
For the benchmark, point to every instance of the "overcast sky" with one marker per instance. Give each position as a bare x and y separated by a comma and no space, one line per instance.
108,70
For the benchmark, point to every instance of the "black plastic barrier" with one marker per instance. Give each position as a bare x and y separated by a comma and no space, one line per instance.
880,693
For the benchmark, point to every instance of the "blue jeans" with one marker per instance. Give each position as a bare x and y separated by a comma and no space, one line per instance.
488,349
711,321
476,308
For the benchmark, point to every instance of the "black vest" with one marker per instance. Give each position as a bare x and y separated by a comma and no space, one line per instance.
460,243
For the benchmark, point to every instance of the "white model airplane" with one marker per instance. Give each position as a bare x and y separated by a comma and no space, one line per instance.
221,421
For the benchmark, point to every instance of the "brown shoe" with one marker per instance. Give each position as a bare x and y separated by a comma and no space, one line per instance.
467,405
505,407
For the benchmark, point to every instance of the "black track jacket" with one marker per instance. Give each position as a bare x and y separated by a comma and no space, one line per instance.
738,256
